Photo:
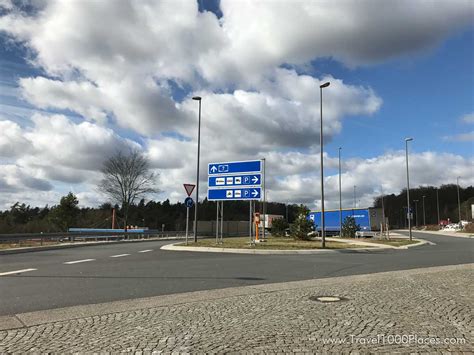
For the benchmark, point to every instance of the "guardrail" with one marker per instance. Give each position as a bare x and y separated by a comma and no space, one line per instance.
86,236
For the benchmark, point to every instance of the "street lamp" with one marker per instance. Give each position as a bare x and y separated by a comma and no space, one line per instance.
424,215
416,212
197,98
459,200
340,196
408,187
321,144
437,203
355,203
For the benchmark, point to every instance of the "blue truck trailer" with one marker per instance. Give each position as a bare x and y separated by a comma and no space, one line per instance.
369,219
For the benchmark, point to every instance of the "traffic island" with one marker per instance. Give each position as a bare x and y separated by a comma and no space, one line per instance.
271,245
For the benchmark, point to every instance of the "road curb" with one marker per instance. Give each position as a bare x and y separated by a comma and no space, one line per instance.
29,319
177,247
441,234
369,248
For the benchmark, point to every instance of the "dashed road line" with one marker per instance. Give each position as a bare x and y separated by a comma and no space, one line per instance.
145,251
78,261
16,272
119,255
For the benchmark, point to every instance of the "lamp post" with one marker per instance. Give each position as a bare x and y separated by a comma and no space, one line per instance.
197,98
437,202
355,203
383,211
408,187
459,200
416,212
321,144
424,215
340,196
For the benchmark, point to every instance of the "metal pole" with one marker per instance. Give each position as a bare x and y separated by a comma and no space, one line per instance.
416,212
217,222
321,144
437,203
340,195
408,188
355,203
187,224
383,212
197,171
250,220
459,200
222,220
424,215
264,200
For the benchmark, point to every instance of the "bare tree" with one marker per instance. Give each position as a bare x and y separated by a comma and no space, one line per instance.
127,177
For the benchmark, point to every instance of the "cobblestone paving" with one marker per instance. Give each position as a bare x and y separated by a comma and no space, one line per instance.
437,306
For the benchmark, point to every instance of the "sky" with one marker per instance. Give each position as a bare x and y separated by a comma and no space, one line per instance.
81,80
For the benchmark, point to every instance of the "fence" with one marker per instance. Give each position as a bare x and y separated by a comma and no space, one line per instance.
205,228
40,238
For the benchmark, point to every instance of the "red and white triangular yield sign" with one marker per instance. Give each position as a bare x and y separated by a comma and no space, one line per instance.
189,188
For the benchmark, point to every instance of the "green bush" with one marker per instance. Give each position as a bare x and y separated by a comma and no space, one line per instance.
278,227
302,226
349,227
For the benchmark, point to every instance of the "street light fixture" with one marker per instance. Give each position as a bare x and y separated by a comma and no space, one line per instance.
408,188
321,144
197,98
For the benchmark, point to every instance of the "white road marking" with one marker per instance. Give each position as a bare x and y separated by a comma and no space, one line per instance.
119,256
145,251
78,261
16,272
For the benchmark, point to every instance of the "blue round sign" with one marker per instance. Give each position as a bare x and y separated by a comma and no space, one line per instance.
188,202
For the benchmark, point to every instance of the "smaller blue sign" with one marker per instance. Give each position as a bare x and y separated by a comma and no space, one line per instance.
235,167
252,193
235,180
188,202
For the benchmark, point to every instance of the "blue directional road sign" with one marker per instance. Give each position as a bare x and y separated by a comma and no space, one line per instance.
188,202
235,180
252,193
233,167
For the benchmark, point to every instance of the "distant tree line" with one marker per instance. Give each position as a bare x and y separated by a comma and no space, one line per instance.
396,205
22,218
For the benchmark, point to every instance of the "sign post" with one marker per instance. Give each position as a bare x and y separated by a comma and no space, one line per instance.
235,181
188,202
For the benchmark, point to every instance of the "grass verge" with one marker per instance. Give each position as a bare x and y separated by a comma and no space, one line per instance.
271,243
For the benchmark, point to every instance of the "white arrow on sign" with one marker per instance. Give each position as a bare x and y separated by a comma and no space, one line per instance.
255,179
254,193
213,169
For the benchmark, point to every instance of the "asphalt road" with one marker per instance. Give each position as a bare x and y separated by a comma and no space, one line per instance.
95,274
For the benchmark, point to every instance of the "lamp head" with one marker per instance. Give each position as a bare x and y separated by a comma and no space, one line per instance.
325,85
197,98
408,139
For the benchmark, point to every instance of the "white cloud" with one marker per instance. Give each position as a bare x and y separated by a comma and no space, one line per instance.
12,142
468,118
461,137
